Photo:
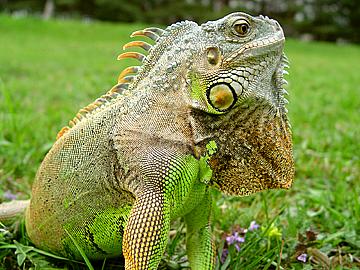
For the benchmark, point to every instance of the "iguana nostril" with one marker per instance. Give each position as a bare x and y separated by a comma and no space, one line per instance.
275,24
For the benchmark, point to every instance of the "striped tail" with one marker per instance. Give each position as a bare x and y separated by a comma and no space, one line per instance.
11,211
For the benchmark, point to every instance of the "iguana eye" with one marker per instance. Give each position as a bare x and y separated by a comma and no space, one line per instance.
241,27
221,97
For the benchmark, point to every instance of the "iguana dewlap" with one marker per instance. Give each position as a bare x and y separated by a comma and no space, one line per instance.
206,108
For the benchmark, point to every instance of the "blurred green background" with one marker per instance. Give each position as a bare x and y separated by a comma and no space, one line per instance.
333,20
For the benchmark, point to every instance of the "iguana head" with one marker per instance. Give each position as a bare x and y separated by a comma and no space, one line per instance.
229,75
236,94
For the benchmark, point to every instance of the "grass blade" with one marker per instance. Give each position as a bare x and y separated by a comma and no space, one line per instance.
81,251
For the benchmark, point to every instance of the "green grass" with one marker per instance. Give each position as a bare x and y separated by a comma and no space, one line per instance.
49,70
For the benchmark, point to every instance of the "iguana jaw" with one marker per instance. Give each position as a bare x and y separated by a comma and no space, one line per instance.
258,48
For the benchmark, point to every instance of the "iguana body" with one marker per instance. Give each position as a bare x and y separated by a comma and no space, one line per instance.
205,109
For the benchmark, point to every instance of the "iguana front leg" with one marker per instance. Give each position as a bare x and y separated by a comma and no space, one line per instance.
168,187
199,244
165,179
146,232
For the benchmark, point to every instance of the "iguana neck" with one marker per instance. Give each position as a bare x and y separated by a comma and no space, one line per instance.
254,145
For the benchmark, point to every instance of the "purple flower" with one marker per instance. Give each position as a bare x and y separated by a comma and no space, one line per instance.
234,238
224,255
253,226
9,196
302,257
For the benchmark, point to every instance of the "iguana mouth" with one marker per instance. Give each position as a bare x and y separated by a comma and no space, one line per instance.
259,47
271,43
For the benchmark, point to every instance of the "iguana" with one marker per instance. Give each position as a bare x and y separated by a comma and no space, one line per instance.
205,109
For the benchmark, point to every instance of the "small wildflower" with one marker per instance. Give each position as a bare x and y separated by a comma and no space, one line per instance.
242,231
302,257
234,238
9,196
224,255
253,226
274,232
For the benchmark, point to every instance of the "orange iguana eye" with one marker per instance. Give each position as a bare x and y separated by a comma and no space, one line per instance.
241,27
221,97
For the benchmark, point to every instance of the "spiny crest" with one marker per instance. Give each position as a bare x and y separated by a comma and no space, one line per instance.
125,78
280,82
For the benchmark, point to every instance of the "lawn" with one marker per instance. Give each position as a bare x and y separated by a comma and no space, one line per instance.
49,70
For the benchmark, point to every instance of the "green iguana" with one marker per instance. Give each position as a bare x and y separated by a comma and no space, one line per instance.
205,109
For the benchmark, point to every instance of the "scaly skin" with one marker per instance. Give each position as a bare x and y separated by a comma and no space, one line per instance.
205,109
